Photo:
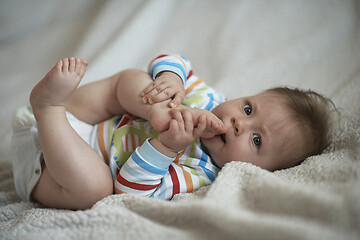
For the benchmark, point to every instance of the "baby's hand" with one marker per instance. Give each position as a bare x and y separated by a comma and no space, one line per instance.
182,132
214,125
166,86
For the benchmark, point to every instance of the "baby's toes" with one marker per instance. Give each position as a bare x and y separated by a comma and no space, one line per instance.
65,67
82,67
72,64
59,65
84,62
77,65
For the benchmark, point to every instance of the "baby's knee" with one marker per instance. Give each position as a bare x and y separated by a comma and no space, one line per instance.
94,192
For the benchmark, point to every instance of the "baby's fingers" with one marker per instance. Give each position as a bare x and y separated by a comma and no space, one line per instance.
155,95
177,115
217,126
221,128
173,126
150,87
200,128
188,121
165,94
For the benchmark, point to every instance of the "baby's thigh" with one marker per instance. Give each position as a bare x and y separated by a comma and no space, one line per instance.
51,194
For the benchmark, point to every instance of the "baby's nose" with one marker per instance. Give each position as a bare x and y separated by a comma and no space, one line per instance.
236,125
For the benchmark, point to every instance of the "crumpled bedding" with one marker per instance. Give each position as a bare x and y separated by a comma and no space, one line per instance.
239,48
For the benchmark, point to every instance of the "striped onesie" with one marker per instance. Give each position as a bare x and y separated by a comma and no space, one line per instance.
136,166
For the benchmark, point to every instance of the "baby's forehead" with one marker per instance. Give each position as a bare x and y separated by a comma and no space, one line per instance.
285,136
283,129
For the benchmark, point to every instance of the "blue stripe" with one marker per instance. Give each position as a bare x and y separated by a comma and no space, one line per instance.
203,161
144,165
133,172
209,174
177,65
161,190
204,157
184,58
211,101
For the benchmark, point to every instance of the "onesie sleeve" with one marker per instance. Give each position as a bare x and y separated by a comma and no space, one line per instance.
143,172
151,174
172,63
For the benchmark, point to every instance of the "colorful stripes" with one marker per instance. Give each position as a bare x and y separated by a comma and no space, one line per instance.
147,172
174,63
187,176
130,142
192,86
140,176
175,181
137,174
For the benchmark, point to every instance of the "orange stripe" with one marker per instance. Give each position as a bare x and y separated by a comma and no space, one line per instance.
102,142
179,58
191,87
118,191
188,180
133,142
178,156
126,143
187,175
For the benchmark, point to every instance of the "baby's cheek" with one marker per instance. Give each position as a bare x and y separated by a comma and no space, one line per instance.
238,152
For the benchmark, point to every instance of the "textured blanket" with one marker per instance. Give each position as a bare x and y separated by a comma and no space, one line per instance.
239,48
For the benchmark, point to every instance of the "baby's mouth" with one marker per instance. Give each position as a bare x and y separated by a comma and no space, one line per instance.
223,138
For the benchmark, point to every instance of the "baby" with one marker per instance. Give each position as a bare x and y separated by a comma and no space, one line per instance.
130,134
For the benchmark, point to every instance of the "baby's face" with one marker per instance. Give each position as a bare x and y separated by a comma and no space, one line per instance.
260,131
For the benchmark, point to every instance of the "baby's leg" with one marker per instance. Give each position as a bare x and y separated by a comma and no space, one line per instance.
74,176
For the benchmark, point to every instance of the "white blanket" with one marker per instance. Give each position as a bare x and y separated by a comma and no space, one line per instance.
239,48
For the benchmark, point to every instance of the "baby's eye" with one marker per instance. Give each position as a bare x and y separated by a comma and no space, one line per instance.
247,109
256,140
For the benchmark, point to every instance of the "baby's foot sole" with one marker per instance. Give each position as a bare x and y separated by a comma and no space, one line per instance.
159,117
59,83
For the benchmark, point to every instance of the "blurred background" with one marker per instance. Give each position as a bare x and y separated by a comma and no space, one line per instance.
238,47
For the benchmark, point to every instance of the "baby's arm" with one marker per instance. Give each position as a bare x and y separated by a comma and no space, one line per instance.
170,74
115,95
120,93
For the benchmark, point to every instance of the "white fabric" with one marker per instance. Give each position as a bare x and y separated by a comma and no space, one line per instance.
239,48
25,144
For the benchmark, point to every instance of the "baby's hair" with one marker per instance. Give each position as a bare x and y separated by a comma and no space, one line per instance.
312,114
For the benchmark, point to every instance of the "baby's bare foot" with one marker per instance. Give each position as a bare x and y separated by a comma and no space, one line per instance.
59,84
159,117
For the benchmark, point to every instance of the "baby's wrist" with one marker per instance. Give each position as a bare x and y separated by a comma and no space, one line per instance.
162,148
170,75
